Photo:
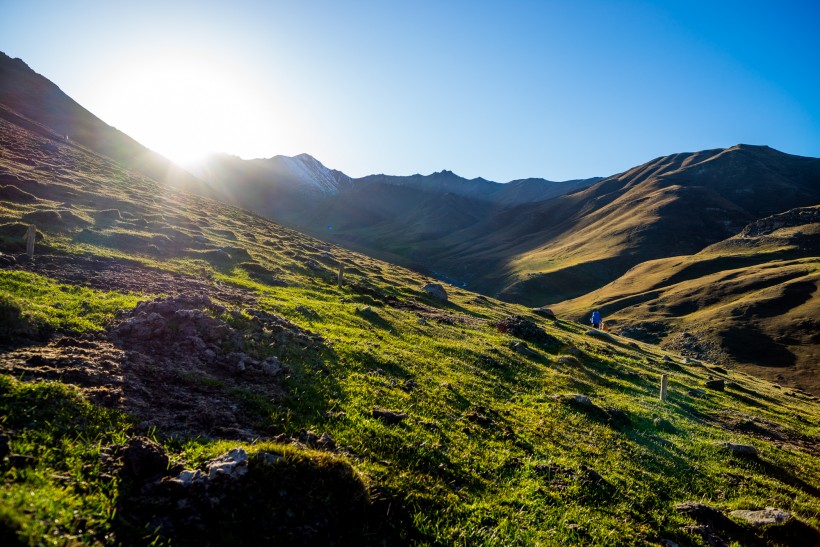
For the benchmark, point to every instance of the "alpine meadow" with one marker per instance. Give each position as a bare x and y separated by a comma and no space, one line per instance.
272,351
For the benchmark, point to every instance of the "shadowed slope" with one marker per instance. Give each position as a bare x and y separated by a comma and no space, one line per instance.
749,300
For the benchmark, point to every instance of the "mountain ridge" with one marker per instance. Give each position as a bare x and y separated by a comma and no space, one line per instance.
37,98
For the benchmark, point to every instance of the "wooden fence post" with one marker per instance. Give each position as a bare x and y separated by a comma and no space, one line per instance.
341,274
31,235
664,381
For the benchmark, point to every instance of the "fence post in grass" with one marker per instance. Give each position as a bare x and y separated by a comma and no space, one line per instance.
341,274
664,382
31,235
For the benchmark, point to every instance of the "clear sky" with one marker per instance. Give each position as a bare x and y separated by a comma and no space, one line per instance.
504,90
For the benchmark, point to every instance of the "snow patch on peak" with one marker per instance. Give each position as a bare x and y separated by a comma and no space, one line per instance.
310,172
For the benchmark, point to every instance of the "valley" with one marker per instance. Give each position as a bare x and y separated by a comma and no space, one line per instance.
180,369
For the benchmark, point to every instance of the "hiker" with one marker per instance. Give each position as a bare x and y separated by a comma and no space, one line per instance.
595,320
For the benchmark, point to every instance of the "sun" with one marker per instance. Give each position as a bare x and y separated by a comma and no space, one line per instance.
185,104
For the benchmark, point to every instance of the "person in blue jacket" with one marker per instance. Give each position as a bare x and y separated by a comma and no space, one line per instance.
595,320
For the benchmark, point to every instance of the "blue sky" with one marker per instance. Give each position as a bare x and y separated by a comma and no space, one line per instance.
503,90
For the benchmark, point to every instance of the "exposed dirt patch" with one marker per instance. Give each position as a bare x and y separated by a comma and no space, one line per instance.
125,275
176,364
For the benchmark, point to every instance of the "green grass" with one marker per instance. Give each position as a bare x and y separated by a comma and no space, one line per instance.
38,305
489,453
65,495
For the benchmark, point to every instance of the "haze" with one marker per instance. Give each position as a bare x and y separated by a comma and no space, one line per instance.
502,90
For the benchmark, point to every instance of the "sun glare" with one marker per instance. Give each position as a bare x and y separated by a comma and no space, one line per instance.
186,104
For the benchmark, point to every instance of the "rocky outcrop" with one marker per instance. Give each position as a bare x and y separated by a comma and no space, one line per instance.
523,328
793,217
435,290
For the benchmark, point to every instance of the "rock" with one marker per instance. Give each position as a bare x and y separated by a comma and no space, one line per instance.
389,416
523,349
742,450
480,419
232,465
601,335
544,312
668,543
717,385
763,517
568,360
326,442
708,534
699,511
688,361
435,290
578,400
523,328
667,359
186,477
311,439
142,458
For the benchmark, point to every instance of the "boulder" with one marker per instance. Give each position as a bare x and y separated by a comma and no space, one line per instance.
435,290
717,385
742,450
544,312
601,335
763,517
577,399
523,328
523,349
234,464
389,416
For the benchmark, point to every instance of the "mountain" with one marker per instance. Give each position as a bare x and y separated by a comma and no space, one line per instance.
567,246
24,92
534,241
749,301
302,173
178,371
510,193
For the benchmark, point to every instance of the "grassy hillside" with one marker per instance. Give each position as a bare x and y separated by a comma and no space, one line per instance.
367,414
549,250
749,301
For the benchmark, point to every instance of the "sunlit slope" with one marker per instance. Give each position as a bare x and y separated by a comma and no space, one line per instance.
371,413
671,206
27,93
749,300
